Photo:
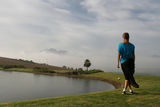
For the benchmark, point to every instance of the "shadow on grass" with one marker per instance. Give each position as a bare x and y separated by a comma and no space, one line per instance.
135,93
146,93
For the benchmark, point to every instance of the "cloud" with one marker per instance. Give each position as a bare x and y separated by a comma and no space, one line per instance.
87,28
55,51
156,56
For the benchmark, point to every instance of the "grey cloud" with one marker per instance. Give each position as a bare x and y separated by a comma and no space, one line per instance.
55,51
123,9
91,28
156,56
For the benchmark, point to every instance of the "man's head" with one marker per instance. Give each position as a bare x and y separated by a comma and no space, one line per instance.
126,36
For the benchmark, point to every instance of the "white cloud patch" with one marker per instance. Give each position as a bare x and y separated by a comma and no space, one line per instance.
87,28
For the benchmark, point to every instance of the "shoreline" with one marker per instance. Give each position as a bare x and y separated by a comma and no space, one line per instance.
114,83
147,95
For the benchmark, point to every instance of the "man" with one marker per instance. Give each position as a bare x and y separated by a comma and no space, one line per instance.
126,56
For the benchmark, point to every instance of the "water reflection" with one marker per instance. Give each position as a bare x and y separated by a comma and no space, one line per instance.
23,86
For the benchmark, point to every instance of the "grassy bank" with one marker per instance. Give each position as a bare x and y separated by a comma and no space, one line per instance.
45,71
148,95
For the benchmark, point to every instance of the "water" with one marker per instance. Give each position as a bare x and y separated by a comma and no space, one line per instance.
140,71
15,86
148,71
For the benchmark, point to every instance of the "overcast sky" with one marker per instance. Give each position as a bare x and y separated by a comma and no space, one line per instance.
66,32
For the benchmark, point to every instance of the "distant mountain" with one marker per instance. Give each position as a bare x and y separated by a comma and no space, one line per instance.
26,63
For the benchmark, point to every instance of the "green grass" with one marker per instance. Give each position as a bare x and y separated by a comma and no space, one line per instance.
63,71
148,95
1,68
70,72
74,72
21,69
25,70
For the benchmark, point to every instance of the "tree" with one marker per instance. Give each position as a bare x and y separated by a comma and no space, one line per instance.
64,67
80,69
87,63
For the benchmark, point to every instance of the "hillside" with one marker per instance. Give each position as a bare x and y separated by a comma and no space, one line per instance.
26,63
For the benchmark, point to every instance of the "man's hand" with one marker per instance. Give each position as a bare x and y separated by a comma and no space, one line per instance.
118,59
118,66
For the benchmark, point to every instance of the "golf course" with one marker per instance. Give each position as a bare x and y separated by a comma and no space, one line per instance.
79,53
148,95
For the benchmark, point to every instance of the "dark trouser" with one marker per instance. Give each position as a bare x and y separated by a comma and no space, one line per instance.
128,68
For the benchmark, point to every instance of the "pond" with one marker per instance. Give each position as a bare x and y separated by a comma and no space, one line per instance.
17,86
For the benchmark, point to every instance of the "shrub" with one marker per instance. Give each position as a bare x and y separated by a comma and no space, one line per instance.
11,66
69,73
75,73
38,69
90,71
72,73
80,69
96,70
29,61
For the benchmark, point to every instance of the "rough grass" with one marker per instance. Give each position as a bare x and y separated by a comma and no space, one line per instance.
21,69
63,71
148,95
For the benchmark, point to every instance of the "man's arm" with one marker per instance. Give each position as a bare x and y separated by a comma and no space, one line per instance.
133,56
118,59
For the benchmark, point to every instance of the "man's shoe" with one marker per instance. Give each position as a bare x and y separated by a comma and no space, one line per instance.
123,92
131,92
135,85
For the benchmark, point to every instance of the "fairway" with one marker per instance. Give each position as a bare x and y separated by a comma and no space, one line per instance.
148,95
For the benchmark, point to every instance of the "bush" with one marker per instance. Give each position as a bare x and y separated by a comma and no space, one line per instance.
75,73
72,73
80,69
95,71
29,61
84,72
11,66
69,73
38,69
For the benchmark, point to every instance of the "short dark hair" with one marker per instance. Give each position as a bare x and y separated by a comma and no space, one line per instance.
126,35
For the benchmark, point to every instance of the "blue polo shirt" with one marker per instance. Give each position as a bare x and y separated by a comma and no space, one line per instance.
125,50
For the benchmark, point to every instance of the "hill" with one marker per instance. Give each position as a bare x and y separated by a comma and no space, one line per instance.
26,63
